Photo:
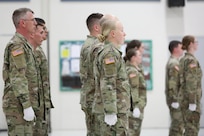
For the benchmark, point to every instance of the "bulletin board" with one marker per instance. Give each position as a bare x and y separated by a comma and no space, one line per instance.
69,57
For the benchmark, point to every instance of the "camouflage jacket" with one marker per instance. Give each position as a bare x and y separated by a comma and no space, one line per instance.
86,72
172,81
190,78
42,65
138,86
20,75
112,93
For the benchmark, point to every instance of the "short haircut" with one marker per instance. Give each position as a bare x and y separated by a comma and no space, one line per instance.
92,19
19,14
173,44
40,21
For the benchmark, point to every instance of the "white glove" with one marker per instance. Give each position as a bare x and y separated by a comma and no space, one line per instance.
29,114
175,105
110,119
192,107
136,113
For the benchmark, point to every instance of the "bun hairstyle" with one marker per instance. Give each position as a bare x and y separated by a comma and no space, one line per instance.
186,41
133,44
107,25
131,52
101,38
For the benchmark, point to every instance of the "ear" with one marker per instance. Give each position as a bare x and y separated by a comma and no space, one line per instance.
22,23
96,27
112,33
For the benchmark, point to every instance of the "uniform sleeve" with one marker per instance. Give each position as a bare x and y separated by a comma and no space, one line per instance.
173,74
44,70
108,83
83,64
142,91
134,91
191,80
17,76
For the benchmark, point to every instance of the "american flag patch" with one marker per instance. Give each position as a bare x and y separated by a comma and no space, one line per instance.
17,52
109,60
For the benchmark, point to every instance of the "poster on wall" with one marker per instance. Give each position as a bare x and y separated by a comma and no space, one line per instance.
69,56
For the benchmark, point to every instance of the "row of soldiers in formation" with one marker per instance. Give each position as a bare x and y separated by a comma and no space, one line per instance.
183,87
26,98
113,93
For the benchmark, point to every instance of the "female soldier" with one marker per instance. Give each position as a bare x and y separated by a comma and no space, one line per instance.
138,90
190,79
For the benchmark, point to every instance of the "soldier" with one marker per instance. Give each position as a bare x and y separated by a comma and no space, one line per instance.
172,89
21,95
190,79
135,44
138,96
112,100
86,71
36,39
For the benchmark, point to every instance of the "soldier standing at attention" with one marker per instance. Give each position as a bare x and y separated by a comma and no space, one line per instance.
138,95
190,78
172,89
21,92
112,98
36,39
86,72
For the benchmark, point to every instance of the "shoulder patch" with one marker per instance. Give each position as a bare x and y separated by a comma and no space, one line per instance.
177,68
109,60
193,65
132,75
17,52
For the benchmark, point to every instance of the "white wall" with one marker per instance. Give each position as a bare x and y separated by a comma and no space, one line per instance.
141,20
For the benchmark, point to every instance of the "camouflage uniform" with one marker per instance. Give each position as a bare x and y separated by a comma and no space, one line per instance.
88,87
191,88
41,127
138,97
174,95
21,85
112,90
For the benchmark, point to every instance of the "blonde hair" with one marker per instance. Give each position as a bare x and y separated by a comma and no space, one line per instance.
107,23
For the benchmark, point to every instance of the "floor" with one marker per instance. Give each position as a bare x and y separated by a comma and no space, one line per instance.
145,132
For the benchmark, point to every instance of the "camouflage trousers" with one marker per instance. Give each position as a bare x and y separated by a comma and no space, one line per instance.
177,122
192,123
90,121
41,124
119,129
135,125
17,126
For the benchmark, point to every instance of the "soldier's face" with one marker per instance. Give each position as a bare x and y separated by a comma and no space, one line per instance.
39,35
138,57
119,33
180,50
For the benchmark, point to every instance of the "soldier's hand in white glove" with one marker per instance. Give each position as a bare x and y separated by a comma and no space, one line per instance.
175,105
136,113
29,114
110,119
192,107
